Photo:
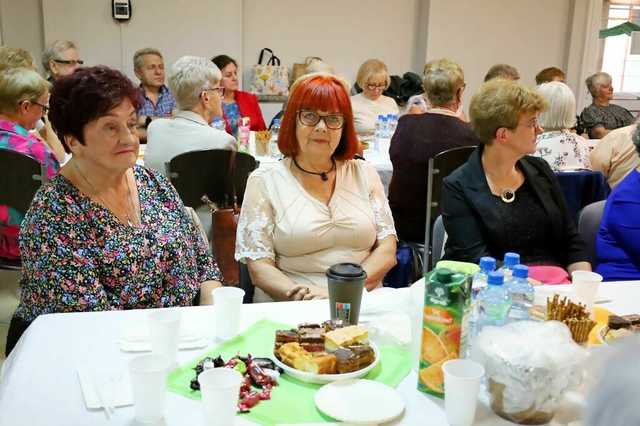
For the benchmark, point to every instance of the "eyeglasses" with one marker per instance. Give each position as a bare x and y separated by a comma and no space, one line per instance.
376,86
312,118
69,61
45,108
531,124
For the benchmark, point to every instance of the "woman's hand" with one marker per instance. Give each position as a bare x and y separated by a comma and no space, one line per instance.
206,298
307,292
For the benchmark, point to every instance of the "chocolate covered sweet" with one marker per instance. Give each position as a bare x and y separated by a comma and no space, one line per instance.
353,358
617,322
286,336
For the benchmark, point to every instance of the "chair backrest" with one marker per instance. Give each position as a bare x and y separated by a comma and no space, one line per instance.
588,225
20,179
440,167
201,172
245,164
246,284
439,239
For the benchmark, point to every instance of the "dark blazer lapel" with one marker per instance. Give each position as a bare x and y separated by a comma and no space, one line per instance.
478,192
543,190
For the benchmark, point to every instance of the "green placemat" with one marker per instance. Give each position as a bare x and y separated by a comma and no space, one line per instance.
292,400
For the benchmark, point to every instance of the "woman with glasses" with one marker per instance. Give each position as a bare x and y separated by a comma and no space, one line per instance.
318,206
602,116
236,103
373,78
24,99
503,199
195,83
106,234
61,58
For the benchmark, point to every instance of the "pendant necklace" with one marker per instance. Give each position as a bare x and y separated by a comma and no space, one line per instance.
323,175
130,221
507,195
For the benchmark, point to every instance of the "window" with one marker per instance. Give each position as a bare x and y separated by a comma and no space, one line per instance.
621,56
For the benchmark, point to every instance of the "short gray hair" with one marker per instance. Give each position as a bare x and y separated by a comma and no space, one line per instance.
504,71
20,84
189,76
441,80
138,57
561,113
54,50
596,80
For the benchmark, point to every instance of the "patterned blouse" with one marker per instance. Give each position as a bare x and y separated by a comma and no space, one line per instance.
563,150
281,221
610,117
77,256
16,138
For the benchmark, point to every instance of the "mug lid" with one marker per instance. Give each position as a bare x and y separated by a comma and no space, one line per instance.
347,270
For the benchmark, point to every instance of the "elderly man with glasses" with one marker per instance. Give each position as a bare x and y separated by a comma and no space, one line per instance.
60,58
195,82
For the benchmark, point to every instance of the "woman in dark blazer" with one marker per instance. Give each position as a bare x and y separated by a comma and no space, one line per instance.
502,199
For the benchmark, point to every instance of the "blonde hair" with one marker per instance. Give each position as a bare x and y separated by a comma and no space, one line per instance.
562,106
318,65
20,84
372,68
54,50
596,80
441,80
504,71
14,57
189,77
500,103
138,57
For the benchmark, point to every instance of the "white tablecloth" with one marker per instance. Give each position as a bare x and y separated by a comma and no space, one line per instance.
39,384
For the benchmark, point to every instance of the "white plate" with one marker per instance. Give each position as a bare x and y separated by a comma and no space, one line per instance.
328,378
359,401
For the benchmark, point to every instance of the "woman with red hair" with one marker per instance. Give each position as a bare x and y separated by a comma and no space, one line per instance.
318,206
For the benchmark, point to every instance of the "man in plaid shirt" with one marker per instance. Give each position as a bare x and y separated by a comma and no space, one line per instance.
148,65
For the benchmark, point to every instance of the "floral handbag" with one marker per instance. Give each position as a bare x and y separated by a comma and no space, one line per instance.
270,78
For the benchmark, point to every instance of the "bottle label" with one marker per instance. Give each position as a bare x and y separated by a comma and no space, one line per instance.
343,312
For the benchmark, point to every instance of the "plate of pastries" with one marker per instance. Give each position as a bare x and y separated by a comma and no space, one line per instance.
324,353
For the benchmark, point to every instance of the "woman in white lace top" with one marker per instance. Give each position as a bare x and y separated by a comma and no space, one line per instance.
318,206
559,146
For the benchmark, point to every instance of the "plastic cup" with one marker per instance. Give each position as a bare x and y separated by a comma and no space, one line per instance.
220,388
227,303
585,287
164,328
148,381
461,386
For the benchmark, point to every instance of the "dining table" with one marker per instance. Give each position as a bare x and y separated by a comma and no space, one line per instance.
39,382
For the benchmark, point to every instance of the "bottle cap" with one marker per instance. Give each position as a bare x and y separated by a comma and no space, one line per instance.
380,117
511,259
443,275
521,271
276,121
487,264
495,278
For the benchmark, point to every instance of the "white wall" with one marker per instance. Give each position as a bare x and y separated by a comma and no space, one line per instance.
530,35
21,25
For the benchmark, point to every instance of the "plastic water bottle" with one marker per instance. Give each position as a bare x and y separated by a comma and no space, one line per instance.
510,260
494,302
522,293
273,142
392,123
480,280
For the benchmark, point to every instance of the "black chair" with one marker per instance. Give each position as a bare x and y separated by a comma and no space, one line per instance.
246,284
201,172
20,179
588,226
245,164
439,239
440,167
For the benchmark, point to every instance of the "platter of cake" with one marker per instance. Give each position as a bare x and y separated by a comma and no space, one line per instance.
619,327
324,353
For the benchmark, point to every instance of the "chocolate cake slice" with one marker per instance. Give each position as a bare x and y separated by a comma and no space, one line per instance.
312,339
353,358
616,322
286,336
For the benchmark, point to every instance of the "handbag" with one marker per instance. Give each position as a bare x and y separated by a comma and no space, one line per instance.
224,224
270,78
299,69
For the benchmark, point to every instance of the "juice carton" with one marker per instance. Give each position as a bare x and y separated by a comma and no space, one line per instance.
447,299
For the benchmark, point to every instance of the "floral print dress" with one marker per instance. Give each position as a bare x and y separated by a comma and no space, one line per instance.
77,256
563,150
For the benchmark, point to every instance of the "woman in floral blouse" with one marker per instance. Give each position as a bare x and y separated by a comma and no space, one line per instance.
559,146
106,234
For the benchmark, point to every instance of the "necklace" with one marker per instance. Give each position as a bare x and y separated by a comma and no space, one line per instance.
507,195
323,175
130,221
